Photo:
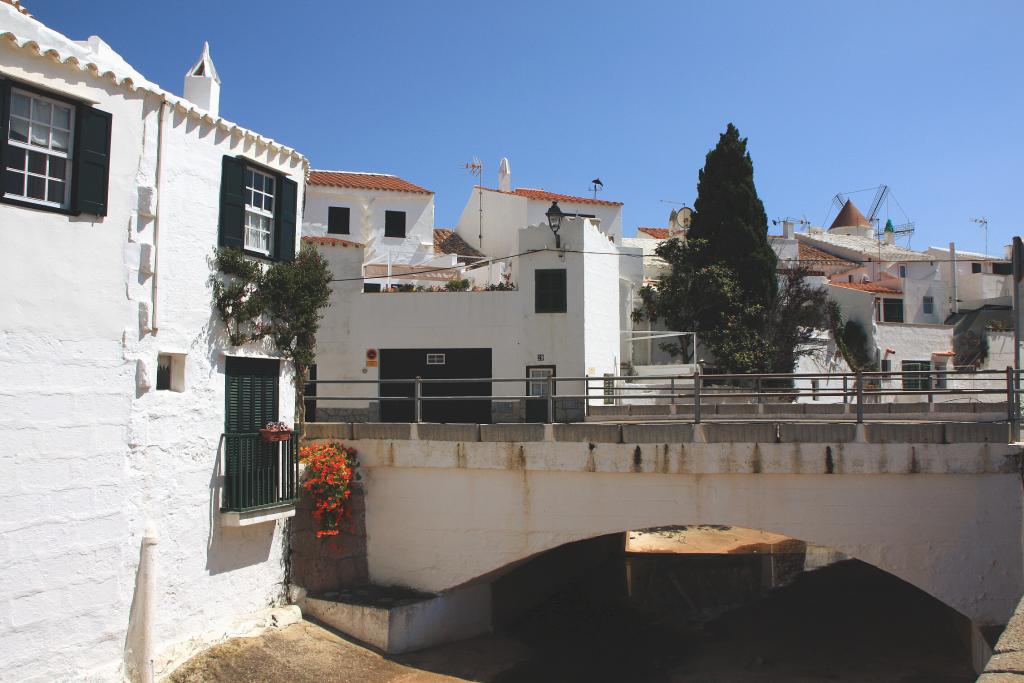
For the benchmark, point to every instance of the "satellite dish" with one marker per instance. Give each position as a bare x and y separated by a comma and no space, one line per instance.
679,221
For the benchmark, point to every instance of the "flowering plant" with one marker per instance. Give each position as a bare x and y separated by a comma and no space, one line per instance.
277,427
330,469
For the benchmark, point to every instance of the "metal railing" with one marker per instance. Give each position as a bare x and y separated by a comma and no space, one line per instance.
696,391
259,474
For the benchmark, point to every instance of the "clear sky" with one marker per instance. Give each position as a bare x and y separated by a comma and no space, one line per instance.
926,97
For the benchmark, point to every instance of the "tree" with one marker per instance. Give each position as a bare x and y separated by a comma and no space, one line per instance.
280,303
730,216
800,310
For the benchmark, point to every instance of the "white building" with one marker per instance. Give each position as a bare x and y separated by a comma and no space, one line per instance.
536,311
115,370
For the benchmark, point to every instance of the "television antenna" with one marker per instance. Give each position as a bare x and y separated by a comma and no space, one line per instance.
476,169
596,186
983,222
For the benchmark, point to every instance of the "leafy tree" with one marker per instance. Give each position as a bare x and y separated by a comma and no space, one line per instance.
730,216
280,303
800,310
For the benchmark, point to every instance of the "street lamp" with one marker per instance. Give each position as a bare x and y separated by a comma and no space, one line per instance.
555,216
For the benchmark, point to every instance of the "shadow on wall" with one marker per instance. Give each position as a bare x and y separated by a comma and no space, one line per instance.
231,548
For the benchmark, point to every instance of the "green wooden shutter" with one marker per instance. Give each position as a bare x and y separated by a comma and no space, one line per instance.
5,119
232,203
287,208
251,393
91,161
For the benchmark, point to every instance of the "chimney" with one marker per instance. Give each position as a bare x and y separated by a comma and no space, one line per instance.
787,229
202,84
504,175
890,237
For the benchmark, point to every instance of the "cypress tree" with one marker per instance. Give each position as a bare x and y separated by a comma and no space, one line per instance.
730,216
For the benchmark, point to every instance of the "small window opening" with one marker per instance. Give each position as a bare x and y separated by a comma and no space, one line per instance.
170,372
435,359
928,305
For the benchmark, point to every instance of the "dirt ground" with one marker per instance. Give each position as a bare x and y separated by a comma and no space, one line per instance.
848,622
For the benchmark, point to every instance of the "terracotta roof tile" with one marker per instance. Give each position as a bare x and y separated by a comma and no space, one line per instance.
363,181
656,233
16,5
544,195
449,242
332,242
873,287
809,254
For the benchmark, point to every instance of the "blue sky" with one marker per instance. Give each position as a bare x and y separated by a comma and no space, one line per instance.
833,97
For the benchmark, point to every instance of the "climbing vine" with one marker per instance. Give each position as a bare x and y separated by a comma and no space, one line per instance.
280,303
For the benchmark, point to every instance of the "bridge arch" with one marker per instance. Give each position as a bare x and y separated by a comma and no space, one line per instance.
956,537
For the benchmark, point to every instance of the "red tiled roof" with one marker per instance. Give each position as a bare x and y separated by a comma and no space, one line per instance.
363,181
656,233
16,5
850,216
873,287
449,242
544,195
810,254
332,242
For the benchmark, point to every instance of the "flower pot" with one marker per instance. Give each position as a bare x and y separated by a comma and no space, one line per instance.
273,435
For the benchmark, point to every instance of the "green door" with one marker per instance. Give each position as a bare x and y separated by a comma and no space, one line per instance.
250,402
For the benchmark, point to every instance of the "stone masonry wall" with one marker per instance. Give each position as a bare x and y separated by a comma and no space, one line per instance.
324,564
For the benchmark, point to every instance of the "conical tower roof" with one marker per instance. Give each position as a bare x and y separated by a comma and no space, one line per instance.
850,217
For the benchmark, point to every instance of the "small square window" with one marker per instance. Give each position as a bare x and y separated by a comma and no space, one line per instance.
550,291
338,220
435,359
928,305
394,223
975,268
170,372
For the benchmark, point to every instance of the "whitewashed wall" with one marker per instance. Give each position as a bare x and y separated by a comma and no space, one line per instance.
366,216
503,216
92,455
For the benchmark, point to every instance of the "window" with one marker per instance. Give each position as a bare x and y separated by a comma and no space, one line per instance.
435,359
917,382
394,223
975,267
259,210
892,310
41,152
371,287
1002,269
38,167
903,271
550,291
928,305
337,220
170,372
886,365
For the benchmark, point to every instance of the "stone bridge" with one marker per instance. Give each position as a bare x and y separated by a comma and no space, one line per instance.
936,504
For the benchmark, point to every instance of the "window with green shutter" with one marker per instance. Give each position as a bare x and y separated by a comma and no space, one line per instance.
54,152
258,210
251,394
550,291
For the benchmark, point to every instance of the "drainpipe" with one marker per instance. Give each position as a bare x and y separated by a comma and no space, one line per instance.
147,568
954,306
156,217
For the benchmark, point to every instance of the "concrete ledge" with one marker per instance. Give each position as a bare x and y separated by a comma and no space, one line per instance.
824,408
915,407
668,433
527,431
731,409
431,431
784,409
758,432
327,430
906,433
817,433
649,409
872,408
972,432
261,516
381,430
609,410
588,433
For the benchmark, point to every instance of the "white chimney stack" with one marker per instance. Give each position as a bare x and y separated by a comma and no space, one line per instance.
202,84
890,237
504,175
787,229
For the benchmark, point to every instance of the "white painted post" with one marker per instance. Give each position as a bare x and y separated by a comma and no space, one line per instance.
147,567
417,392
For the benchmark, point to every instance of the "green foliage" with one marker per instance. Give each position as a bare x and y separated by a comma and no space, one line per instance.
280,303
729,215
799,311
457,285
851,340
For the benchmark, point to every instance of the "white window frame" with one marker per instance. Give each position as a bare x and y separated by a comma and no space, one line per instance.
537,378
435,359
259,213
48,151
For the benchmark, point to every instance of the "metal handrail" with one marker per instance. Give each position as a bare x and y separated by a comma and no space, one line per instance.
855,388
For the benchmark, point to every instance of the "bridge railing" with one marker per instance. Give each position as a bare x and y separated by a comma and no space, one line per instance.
693,394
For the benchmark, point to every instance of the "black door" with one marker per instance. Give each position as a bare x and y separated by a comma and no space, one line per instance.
537,385
408,364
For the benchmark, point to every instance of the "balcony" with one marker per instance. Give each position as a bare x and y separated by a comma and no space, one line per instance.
260,479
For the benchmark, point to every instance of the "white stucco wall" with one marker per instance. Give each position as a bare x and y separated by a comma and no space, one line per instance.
366,216
94,456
